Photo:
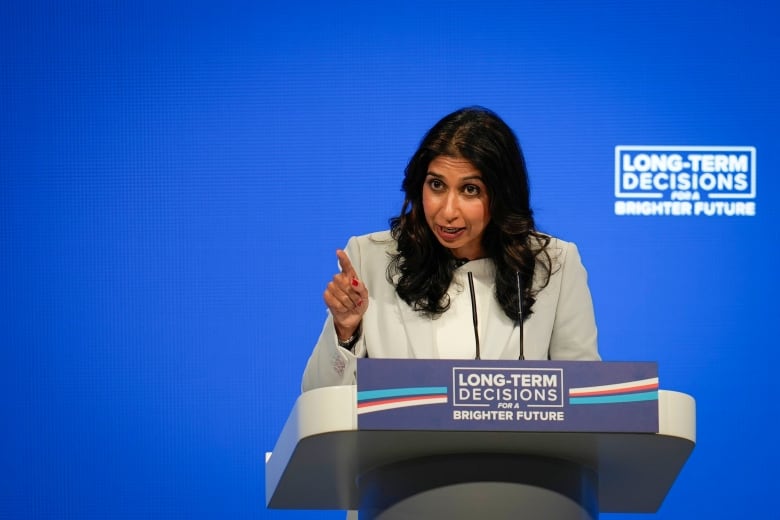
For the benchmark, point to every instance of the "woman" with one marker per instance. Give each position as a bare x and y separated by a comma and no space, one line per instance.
465,241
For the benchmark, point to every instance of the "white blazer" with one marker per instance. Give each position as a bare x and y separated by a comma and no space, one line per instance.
562,325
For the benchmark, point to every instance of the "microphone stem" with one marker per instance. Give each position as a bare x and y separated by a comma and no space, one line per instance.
474,311
520,312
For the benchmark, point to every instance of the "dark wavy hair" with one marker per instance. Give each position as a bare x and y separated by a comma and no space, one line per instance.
423,267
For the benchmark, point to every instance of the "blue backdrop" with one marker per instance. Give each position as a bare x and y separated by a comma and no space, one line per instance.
175,178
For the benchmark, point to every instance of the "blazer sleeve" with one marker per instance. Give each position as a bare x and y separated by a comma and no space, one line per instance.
330,364
574,335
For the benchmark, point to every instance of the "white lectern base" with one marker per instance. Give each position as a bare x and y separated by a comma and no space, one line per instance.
321,460
479,486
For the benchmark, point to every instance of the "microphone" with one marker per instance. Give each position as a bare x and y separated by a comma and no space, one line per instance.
519,311
474,311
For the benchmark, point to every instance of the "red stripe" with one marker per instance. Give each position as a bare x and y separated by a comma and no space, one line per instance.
400,400
628,390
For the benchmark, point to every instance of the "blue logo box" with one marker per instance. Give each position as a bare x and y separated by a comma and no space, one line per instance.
563,396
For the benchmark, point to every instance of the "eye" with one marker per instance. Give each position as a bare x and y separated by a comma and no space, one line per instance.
435,184
472,190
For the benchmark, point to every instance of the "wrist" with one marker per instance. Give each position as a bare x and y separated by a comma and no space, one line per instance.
348,342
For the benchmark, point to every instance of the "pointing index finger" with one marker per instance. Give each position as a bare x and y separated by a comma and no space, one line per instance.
346,265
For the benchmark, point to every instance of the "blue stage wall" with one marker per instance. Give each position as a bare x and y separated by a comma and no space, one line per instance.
175,178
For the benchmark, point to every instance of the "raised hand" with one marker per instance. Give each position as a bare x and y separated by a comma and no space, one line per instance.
347,298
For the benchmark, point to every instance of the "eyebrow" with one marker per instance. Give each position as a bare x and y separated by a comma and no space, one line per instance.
476,176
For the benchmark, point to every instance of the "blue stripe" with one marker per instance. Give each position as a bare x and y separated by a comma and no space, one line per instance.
366,395
625,398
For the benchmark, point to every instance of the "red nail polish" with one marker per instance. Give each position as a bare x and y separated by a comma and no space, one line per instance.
360,302
355,283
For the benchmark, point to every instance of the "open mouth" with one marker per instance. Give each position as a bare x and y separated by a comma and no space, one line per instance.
450,232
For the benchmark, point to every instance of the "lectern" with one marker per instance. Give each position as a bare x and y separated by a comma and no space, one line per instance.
324,458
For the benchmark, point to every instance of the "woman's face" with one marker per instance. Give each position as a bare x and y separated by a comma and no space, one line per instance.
455,202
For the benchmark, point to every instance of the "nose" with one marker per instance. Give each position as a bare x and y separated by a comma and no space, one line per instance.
451,208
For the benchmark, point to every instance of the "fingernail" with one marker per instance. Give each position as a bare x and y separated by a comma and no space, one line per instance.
360,302
355,283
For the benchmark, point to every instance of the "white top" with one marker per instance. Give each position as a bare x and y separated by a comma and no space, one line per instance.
454,338
562,325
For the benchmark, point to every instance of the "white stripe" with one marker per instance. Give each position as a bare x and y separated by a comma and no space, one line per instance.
402,404
616,386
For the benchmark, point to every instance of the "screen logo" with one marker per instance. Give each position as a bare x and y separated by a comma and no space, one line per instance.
702,181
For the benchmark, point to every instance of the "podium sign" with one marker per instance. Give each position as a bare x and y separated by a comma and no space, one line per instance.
535,396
